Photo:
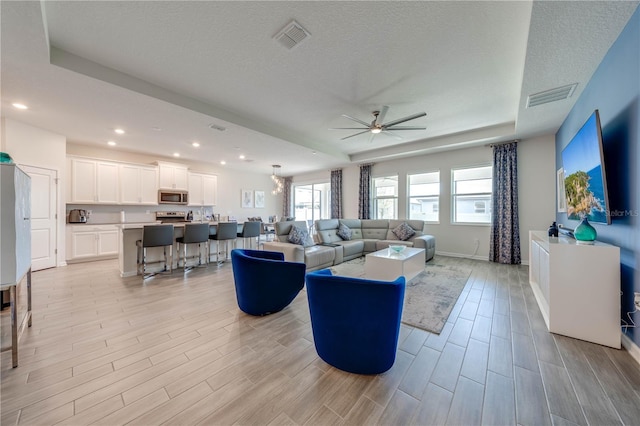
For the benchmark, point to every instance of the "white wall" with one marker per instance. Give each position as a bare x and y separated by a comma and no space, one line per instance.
536,187
36,147
536,175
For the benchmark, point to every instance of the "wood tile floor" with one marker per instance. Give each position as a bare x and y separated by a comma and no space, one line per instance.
176,350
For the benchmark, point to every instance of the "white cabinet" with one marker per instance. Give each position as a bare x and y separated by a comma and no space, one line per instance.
93,182
203,189
173,176
577,287
138,184
16,223
88,242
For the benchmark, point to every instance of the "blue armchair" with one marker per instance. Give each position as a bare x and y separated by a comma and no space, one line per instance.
355,321
265,283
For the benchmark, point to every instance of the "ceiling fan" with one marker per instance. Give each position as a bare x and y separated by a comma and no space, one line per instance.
377,125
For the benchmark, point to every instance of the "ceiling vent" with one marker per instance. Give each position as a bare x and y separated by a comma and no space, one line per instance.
217,127
292,35
552,95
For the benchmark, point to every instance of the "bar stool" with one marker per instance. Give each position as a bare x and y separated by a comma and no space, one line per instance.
251,231
225,231
155,236
194,233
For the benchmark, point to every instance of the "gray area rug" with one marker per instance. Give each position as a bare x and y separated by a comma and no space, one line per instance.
429,297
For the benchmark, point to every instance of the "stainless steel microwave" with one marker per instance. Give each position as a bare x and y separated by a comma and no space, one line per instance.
169,196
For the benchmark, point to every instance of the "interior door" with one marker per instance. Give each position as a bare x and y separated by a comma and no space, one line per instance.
43,217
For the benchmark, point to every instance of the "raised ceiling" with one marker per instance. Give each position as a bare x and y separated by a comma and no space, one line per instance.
85,68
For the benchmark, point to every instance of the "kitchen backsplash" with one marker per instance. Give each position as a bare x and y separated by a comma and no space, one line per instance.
103,214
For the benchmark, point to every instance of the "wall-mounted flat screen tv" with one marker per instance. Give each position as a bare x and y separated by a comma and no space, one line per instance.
585,180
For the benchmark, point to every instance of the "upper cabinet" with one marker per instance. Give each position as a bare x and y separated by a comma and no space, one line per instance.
173,176
138,184
203,189
93,182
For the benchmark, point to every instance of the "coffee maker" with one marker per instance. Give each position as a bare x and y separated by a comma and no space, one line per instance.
78,216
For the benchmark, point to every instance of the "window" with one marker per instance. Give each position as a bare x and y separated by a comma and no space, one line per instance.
385,197
471,194
424,196
311,202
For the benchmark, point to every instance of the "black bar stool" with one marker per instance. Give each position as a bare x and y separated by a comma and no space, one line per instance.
251,231
155,236
194,233
225,231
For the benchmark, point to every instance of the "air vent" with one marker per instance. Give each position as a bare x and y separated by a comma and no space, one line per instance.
292,35
552,95
217,127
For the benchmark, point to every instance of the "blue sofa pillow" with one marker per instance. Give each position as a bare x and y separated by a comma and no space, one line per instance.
300,236
344,232
403,231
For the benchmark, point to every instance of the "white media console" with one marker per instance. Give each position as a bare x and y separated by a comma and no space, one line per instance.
577,287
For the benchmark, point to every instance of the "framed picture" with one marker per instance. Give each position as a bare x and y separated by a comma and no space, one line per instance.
259,197
562,201
247,198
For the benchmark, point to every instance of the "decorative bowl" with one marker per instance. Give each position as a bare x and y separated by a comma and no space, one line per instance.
397,249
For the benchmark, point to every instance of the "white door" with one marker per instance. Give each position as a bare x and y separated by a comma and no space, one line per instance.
43,217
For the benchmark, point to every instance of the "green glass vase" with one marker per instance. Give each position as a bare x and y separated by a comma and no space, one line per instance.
584,232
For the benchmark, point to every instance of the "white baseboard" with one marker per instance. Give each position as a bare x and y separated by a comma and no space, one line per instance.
631,347
466,256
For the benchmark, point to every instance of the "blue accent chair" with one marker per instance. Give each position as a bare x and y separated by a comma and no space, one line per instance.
355,321
265,283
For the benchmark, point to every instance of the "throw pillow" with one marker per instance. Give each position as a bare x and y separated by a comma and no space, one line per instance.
300,236
403,231
344,232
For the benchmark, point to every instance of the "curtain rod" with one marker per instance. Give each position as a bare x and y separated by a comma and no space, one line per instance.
491,145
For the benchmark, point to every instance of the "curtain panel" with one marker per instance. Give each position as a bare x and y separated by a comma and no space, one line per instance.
336,194
364,199
505,227
286,197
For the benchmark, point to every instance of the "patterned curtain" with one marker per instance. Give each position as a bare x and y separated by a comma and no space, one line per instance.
286,196
364,200
336,194
505,228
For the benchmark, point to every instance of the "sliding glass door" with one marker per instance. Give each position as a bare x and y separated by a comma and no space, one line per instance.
311,202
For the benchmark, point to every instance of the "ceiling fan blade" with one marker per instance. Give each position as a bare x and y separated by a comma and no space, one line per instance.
381,114
355,134
402,120
373,135
348,128
364,123
386,132
403,128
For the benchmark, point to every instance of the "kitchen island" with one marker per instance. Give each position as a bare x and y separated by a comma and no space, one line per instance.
132,232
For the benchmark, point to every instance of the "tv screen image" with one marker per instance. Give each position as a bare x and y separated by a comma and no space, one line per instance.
584,174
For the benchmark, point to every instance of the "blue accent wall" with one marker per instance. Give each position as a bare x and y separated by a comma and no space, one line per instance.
614,89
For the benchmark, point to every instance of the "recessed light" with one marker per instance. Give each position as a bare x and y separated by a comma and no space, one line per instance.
119,131
176,154
223,162
112,143
20,106
241,156
157,129
195,144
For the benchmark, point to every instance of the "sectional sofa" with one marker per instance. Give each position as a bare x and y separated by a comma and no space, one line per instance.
366,236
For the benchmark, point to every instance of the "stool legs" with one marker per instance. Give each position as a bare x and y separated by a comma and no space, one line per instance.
141,261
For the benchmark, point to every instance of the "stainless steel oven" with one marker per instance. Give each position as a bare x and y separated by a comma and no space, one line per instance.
169,196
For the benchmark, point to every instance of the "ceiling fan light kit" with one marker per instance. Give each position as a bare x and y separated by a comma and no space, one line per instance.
377,126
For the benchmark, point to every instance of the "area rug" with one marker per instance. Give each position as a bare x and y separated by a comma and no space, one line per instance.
429,297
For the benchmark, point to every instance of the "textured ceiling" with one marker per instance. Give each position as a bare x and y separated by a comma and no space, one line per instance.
85,68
